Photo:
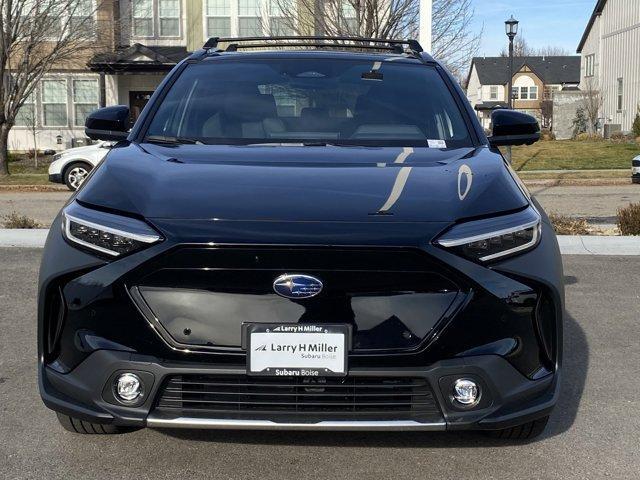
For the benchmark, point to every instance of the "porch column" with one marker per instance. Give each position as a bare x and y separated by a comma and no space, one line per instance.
426,8
103,90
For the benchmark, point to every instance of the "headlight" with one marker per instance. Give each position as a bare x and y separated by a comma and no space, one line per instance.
110,234
492,238
57,156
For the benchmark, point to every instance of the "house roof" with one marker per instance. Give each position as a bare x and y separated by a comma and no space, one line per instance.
551,70
138,57
596,12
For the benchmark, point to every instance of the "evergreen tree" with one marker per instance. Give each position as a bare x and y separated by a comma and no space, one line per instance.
636,124
579,122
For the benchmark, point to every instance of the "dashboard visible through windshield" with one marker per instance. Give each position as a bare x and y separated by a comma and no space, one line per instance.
310,101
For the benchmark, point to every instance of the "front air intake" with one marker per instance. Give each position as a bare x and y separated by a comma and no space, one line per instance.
242,396
53,321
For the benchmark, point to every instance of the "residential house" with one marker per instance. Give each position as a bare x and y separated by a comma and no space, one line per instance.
535,80
57,109
147,39
610,50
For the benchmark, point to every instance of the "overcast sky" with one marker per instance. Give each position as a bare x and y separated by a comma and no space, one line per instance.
543,22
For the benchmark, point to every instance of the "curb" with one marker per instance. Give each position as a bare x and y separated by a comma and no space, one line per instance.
23,238
33,188
569,244
576,182
598,245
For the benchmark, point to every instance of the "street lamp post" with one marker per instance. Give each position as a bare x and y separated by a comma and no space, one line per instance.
511,27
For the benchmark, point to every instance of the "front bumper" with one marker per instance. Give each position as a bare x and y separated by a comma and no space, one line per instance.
56,178
505,331
507,397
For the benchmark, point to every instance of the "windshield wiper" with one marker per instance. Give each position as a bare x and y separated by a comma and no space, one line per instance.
173,140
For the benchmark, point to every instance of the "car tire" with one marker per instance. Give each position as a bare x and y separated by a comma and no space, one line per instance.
76,425
75,174
526,431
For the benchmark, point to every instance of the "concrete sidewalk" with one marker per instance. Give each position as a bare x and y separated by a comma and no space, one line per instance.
569,245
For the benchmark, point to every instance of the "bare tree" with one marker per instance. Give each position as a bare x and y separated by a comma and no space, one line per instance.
592,101
546,110
37,37
31,122
551,51
521,48
454,40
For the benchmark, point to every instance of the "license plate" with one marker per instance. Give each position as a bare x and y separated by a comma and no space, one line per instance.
299,350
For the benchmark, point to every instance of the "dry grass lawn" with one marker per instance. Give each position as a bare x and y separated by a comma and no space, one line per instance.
574,155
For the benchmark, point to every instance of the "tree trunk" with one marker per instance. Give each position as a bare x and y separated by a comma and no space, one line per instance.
4,149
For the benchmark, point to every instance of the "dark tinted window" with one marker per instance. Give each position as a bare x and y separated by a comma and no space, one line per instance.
310,100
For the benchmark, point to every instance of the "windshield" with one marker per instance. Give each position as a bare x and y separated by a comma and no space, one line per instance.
310,100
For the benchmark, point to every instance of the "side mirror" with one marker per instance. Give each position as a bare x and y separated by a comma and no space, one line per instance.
513,128
109,123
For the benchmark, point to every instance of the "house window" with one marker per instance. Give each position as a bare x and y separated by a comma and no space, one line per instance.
50,14
54,103
515,93
524,93
279,22
350,18
169,16
59,18
590,65
493,93
218,18
142,13
249,24
533,93
620,94
26,116
549,90
85,100
82,17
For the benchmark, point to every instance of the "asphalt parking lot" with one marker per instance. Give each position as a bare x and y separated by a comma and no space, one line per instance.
593,433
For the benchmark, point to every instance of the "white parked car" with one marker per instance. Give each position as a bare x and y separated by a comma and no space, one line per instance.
635,170
72,166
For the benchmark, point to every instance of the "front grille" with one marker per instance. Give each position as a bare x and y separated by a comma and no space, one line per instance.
199,298
241,396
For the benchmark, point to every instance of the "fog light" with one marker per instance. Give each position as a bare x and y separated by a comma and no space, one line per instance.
128,387
465,392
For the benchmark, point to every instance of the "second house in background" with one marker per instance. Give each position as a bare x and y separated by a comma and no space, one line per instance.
136,43
535,80
154,35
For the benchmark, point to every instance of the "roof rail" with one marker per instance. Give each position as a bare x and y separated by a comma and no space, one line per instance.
235,43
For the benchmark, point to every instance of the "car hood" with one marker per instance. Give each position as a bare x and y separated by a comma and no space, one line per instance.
297,183
86,150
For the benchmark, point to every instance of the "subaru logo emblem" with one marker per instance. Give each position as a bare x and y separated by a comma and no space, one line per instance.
297,286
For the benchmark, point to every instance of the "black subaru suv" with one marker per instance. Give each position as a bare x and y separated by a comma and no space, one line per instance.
315,235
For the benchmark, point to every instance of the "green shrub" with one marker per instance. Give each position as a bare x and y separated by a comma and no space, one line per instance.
619,137
565,225
636,124
15,220
629,219
588,137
